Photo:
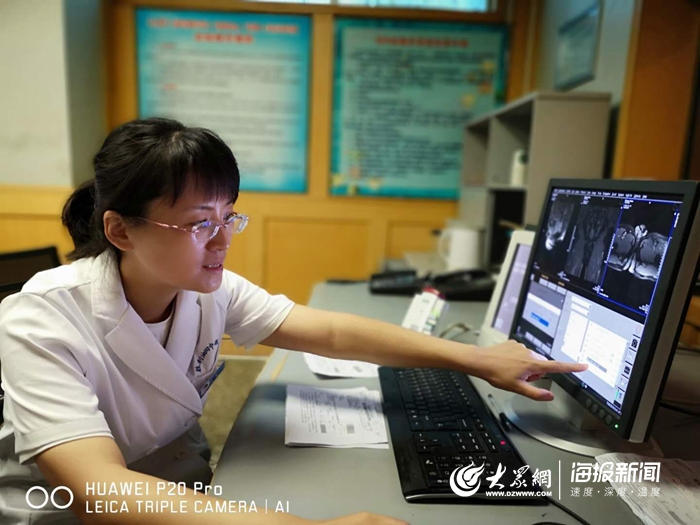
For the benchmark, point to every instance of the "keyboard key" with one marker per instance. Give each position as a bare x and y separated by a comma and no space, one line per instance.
464,424
416,425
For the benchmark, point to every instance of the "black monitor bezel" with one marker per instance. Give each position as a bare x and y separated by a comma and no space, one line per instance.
688,192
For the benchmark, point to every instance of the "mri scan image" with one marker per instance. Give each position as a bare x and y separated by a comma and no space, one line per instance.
558,223
638,251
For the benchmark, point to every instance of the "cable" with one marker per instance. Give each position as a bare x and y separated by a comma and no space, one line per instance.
682,410
568,511
465,328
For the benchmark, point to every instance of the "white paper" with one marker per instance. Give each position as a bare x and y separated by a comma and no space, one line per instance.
334,417
327,366
678,502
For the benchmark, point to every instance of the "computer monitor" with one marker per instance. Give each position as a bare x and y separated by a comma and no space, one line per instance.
608,284
500,314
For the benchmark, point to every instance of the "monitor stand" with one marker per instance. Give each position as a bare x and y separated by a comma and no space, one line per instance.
565,424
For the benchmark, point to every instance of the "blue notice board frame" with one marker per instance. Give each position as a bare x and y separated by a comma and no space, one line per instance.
483,90
190,65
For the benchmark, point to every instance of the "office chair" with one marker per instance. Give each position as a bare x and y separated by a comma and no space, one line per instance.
19,267
5,290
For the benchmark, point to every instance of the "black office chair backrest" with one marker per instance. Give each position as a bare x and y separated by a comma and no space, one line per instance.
5,290
19,267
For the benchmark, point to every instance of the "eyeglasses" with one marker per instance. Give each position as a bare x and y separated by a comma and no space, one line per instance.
207,230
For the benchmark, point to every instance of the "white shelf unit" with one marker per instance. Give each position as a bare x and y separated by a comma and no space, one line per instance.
564,135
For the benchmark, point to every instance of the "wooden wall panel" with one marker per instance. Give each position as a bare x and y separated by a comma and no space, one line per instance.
656,102
691,330
303,252
30,217
19,233
404,237
524,17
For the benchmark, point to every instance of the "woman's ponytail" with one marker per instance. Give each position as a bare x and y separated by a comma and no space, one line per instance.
79,217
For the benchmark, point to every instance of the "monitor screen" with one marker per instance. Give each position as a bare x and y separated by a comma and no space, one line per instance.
503,320
592,280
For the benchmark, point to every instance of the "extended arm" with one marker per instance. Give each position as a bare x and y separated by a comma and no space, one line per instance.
346,336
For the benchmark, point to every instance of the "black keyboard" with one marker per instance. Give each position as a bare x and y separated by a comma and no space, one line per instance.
438,423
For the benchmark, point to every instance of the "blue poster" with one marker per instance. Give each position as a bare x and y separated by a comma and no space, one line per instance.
403,91
245,76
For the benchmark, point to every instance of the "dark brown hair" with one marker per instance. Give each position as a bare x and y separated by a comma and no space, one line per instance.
141,161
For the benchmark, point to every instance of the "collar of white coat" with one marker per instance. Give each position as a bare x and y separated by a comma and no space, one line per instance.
135,344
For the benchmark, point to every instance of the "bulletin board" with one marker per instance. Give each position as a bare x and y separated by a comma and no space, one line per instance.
402,92
243,75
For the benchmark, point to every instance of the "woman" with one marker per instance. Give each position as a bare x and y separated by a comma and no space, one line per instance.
106,361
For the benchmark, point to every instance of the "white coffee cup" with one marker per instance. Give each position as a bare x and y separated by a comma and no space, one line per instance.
460,247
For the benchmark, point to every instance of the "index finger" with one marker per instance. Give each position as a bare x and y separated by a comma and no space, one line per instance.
559,367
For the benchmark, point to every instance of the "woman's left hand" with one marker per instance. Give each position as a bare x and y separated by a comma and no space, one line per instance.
511,366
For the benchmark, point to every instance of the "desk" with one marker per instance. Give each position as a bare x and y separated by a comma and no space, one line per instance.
324,483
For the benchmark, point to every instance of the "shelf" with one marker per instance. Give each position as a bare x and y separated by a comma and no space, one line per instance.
523,107
564,135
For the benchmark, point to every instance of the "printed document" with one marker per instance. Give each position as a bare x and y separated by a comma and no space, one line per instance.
334,417
327,366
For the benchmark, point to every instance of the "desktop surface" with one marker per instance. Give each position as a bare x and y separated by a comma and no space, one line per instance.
323,483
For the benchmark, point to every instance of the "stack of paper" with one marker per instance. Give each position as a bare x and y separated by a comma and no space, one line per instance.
327,366
334,417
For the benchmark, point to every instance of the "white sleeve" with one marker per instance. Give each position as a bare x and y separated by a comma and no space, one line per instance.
48,398
252,313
